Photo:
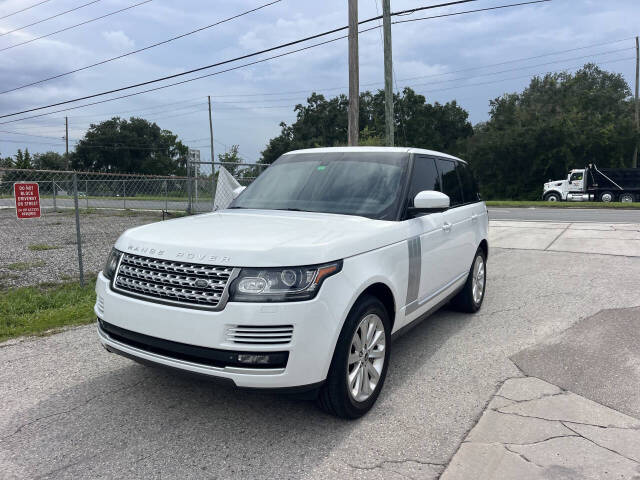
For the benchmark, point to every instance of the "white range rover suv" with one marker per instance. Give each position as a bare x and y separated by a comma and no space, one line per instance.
304,280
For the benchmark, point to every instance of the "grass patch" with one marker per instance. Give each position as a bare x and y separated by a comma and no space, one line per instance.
35,310
41,247
24,266
526,203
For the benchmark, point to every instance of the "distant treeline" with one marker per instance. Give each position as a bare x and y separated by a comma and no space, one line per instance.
560,121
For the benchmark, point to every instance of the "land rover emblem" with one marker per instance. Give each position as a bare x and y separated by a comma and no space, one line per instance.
201,283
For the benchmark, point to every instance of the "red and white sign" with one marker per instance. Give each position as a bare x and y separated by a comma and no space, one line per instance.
27,197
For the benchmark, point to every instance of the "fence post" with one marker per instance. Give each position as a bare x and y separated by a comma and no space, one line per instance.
86,192
166,196
189,193
214,185
78,236
195,182
124,194
55,206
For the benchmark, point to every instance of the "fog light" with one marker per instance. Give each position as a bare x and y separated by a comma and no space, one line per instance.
254,359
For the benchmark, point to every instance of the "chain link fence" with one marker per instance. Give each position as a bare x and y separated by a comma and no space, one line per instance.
83,214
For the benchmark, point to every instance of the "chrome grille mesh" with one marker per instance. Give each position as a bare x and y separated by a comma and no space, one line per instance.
173,282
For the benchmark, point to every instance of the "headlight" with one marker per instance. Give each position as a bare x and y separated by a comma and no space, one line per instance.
112,264
281,284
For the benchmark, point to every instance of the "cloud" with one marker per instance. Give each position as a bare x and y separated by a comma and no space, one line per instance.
427,48
118,39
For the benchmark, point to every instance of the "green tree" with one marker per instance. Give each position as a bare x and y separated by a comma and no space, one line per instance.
231,160
23,160
130,146
323,122
560,121
6,162
49,161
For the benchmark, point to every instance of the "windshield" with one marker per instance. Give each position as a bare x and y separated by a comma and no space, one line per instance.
350,183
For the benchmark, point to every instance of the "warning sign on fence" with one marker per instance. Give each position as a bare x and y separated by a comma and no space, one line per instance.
27,197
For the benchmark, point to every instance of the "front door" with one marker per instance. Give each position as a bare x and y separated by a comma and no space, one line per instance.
576,181
426,244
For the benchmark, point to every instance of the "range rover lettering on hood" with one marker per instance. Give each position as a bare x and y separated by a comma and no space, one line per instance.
156,252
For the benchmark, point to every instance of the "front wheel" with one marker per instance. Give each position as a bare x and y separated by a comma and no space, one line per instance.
626,198
552,197
470,298
360,361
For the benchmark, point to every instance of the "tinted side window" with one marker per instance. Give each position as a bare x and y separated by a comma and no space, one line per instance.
469,188
424,177
450,182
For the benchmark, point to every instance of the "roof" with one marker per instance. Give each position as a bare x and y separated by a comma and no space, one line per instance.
374,150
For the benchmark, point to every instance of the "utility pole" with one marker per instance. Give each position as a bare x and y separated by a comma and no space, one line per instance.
635,153
389,117
354,81
213,167
66,139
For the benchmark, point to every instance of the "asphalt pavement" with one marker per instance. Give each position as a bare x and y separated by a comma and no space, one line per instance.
573,214
69,409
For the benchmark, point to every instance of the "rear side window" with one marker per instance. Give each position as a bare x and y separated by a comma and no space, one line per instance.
425,176
450,181
470,191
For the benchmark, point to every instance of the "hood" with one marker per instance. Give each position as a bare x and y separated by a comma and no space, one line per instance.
260,238
555,183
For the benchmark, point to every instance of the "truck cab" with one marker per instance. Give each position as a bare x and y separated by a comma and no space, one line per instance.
572,188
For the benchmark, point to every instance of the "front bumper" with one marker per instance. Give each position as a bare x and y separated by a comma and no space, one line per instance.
316,326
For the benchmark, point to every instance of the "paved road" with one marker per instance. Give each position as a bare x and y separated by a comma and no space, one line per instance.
607,215
68,409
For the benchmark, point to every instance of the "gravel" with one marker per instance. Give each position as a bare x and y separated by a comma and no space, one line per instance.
21,265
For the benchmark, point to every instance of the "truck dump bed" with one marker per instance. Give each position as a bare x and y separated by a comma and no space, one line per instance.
625,178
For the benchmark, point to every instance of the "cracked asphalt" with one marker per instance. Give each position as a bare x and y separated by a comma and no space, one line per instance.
68,409
535,430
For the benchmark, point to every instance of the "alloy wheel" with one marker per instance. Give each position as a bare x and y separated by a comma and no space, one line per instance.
366,357
478,279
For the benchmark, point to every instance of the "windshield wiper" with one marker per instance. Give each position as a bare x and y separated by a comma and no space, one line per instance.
292,209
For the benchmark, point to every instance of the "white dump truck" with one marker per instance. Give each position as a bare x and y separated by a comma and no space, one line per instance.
591,184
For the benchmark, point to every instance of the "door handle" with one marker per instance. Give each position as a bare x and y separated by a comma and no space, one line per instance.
474,217
446,227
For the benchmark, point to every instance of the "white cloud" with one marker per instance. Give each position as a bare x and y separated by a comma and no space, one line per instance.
118,39
423,48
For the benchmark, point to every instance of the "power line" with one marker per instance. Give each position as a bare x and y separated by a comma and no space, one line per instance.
225,70
24,9
102,62
49,18
28,134
402,80
523,76
75,26
234,68
224,62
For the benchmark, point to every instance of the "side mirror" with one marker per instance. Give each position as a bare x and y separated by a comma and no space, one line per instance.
430,201
238,191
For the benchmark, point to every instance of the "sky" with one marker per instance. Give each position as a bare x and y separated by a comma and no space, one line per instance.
471,58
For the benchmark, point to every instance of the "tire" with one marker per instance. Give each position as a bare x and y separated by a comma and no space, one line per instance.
552,197
626,198
607,197
469,300
336,396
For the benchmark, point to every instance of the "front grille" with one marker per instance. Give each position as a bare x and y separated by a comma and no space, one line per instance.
259,335
173,282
